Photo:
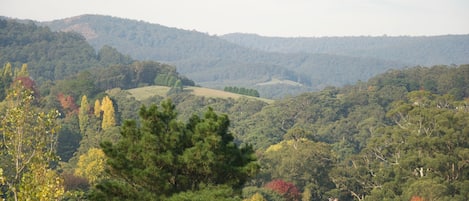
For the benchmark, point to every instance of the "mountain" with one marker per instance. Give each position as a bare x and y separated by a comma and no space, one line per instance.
415,50
214,62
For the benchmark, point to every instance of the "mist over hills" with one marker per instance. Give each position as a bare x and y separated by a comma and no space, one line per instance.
253,61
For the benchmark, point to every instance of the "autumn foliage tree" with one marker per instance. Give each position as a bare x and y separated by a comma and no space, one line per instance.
286,189
68,103
109,115
83,114
91,165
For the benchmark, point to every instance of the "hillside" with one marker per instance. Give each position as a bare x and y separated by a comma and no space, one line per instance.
69,65
143,93
415,50
214,62
49,55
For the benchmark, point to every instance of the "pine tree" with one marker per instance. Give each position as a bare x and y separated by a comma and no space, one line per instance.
161,157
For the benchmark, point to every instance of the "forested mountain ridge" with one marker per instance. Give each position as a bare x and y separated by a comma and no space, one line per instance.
413,50
51,56
214,62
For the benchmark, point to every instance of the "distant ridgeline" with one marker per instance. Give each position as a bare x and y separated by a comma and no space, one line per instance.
242,91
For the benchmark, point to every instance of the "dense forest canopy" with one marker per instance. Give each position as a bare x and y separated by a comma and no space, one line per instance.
81,135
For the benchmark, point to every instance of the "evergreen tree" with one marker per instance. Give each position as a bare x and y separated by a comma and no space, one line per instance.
160,157
97,108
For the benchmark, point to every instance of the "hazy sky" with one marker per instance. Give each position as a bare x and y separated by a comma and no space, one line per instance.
267,17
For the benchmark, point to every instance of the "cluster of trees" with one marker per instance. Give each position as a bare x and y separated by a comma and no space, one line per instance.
194,158
29,139
388,138
242,91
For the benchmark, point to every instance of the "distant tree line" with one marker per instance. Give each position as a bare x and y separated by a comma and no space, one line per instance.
242,91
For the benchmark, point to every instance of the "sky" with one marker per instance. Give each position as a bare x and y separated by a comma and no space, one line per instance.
286,18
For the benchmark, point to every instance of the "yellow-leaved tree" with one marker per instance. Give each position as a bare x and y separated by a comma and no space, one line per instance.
83,117
109,116
91,165
28,147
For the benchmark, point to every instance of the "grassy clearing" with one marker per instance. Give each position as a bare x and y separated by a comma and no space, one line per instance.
143,93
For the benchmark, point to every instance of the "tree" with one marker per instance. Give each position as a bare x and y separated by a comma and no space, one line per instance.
41,183
109,114
286,189
161,156
91,165
29,143
6,77
68,103
83,114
